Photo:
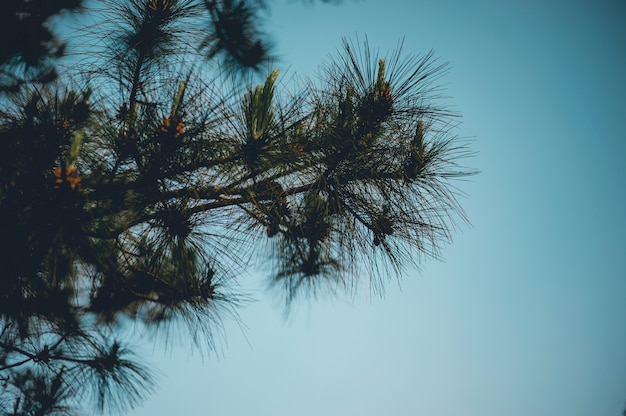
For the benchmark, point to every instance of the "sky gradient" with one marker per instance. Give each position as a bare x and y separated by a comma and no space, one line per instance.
527,314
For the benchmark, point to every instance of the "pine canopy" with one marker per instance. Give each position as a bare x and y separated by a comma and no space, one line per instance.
150,176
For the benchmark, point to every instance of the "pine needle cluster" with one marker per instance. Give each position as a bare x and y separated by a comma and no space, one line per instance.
139,185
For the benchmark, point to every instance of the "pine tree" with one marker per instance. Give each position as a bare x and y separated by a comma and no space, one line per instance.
132,187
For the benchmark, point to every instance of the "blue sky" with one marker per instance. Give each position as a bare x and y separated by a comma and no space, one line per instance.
526,315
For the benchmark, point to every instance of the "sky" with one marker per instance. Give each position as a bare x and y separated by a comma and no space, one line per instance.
526,313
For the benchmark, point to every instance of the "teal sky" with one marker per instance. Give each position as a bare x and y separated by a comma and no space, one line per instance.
527,314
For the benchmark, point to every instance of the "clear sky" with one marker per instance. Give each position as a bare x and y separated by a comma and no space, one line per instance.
527,314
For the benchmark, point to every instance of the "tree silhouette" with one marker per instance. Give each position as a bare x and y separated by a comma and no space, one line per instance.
133,186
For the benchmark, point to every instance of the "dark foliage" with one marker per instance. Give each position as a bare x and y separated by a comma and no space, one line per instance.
137,186
28,44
